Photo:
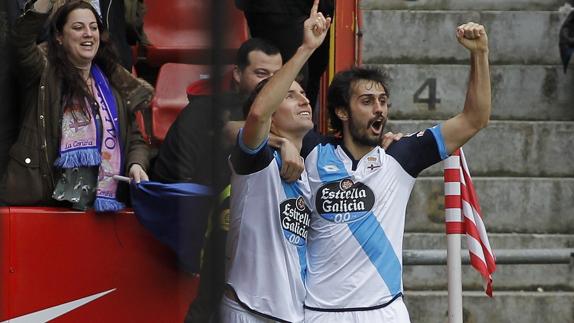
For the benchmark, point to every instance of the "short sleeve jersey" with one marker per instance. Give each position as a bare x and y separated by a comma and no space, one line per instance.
265,254
355,238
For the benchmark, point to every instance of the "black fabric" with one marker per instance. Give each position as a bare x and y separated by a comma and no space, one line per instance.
415,152
245,164
188,151
114,20
284,7
9,113
14,8
205,307
186,155
566,40
281,23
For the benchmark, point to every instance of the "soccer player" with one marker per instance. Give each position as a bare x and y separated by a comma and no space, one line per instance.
360,191
269,217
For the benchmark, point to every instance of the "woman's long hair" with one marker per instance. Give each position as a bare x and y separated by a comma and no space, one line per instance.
74,86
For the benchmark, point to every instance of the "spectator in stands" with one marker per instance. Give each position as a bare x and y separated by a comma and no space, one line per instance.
113,15
79,128
186,152
281,23
189,153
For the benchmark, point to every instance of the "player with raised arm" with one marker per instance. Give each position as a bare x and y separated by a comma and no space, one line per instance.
360,190
266,248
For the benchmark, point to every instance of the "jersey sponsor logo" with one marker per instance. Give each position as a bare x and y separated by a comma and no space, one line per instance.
344,201
330,168
295,219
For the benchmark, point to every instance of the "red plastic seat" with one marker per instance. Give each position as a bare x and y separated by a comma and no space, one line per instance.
179,31
174,83
170,94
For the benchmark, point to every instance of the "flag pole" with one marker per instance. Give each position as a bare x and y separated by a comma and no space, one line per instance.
454,268
460,204
454,229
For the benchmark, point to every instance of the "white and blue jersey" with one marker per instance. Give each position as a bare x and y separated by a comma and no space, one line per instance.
265,254
354,249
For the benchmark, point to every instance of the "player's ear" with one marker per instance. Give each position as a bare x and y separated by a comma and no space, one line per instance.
236,74
342,113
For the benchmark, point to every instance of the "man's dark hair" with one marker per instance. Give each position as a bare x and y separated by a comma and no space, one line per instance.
253,44
339,93
252,96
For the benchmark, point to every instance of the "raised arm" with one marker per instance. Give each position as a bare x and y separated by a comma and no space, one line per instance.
30,58
476,113
258,121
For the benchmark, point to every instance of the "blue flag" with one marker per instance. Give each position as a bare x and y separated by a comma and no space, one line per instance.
176,214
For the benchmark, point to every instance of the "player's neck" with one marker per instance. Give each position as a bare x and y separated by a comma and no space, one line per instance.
297,141
294,138
356,149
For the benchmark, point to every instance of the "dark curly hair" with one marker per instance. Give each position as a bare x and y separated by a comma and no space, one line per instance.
74,86
339,93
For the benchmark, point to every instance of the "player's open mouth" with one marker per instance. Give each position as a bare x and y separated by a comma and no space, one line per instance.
377,125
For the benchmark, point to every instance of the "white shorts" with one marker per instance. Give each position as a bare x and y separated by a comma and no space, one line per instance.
231,312
396,312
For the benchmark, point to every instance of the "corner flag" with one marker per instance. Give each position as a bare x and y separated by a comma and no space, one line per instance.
463,216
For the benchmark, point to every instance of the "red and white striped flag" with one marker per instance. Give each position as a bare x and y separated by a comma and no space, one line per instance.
463,216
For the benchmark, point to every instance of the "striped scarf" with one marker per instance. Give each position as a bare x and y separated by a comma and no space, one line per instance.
95,142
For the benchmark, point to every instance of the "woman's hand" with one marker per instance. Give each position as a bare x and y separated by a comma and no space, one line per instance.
43,6
137,173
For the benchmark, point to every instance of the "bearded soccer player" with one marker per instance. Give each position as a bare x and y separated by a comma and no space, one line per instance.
360,191
269,217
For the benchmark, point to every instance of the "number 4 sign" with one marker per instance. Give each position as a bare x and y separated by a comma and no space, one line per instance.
431,100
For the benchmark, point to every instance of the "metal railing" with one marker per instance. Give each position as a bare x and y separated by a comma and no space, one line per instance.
503,257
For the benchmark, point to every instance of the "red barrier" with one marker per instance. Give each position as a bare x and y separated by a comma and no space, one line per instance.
52,256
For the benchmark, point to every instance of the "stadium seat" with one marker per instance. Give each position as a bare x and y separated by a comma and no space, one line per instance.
174,83
179,31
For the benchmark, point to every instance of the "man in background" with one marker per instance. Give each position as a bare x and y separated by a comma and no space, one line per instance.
189,153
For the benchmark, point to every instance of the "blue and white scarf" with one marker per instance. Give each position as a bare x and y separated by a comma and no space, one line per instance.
84,144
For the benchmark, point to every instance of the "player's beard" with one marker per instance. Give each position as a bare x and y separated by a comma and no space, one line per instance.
360,133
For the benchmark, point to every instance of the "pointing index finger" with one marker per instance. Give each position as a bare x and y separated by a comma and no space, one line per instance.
315,8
